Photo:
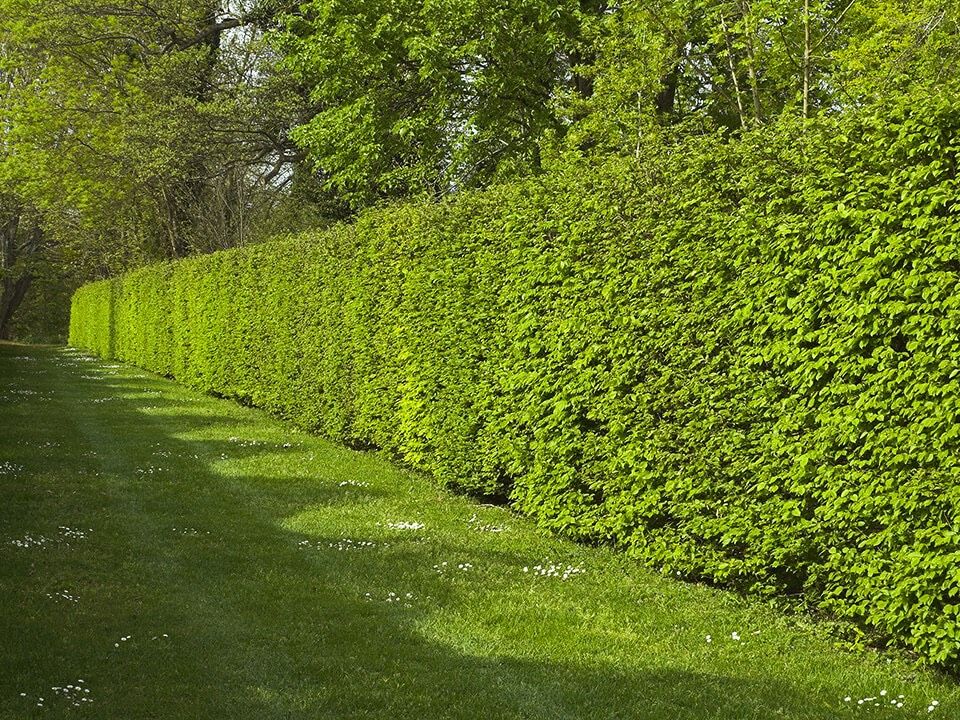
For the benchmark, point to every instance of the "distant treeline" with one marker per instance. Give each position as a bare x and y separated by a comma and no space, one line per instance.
138,130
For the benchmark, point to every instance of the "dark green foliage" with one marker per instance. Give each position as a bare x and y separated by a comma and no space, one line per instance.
739,361
45,313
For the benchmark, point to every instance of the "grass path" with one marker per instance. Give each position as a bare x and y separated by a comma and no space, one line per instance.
169,555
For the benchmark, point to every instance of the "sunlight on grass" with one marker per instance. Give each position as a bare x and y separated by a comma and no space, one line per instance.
163,554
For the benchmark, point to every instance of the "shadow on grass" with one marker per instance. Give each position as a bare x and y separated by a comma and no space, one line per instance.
265,621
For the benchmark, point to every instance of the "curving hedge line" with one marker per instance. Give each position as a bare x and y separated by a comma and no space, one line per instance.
739,363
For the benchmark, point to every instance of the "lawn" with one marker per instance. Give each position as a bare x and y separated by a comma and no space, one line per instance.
164,554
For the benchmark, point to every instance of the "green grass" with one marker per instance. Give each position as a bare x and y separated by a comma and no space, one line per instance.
215,539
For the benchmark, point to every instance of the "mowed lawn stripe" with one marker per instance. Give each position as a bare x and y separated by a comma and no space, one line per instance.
186,557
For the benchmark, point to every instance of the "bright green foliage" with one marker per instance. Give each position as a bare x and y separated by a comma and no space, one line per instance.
417,97
412,98
738,361
704,64
264,563
135,130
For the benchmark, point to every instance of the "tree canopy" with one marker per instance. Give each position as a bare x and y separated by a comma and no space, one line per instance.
134,130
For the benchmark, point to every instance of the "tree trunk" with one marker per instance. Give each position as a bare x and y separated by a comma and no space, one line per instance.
183,200
732,66
746,12
667,96
16,280
13,294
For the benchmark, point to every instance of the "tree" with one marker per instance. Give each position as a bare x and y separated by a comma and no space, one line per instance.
423,98
676,67
144,129
21,243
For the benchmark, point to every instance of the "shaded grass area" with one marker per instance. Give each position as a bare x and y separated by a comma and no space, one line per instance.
259,572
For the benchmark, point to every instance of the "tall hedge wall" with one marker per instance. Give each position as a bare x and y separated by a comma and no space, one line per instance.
739,362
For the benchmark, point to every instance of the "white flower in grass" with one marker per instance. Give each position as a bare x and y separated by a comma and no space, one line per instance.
405,525
549,569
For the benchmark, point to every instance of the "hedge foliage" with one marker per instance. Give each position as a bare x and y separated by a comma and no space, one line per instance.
739,362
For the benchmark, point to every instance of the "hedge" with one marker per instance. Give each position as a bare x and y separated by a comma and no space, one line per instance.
739,362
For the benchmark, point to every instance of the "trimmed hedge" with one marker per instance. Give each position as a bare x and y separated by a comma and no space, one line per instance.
740,362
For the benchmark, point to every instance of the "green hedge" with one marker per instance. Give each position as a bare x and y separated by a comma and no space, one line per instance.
739,362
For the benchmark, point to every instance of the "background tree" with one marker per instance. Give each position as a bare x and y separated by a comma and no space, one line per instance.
136,130
145,130
21,243
421,98
675,67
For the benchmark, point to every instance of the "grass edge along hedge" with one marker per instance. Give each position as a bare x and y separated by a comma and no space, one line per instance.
739,363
